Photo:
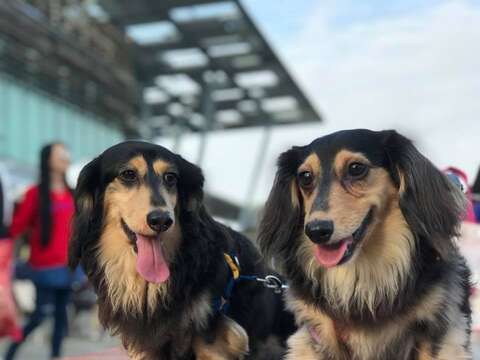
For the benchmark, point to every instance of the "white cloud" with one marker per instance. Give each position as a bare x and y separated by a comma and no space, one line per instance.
417,71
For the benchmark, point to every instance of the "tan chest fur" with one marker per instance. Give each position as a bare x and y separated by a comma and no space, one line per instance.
352,343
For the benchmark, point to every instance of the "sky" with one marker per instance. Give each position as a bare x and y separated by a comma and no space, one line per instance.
408,65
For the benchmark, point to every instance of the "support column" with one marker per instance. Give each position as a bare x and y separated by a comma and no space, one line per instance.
254,178
177,138
208,110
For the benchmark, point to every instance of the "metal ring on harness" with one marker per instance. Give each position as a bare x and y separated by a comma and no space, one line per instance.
274,283
222,302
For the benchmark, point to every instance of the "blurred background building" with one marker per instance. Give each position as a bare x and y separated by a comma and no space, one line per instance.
92,73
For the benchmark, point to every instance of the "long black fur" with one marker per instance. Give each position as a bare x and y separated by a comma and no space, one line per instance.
430,203
432,217
198,267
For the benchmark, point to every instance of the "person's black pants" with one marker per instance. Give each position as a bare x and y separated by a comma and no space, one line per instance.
46,297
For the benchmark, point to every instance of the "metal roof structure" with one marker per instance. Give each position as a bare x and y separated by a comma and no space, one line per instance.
164,65
204,65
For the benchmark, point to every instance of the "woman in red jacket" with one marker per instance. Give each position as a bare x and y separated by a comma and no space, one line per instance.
45,212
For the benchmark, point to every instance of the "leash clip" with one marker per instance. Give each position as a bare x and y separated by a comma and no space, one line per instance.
274,283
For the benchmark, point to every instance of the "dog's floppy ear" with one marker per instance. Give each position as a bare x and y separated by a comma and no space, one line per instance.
190,186
86,216
430,203
282,215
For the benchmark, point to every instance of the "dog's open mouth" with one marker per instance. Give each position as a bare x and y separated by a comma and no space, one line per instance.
150,263
330,255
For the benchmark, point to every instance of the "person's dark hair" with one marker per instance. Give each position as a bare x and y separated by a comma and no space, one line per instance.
44,194
476,184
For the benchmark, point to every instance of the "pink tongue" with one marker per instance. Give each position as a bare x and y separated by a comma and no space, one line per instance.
151,264
328,257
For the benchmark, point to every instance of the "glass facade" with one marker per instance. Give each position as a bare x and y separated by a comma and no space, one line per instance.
30,118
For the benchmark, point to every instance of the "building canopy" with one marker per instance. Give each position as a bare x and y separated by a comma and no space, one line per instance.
204,65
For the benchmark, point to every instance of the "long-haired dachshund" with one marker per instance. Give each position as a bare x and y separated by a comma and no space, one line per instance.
363,227
169,277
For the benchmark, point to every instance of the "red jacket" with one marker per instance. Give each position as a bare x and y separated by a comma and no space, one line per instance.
26,217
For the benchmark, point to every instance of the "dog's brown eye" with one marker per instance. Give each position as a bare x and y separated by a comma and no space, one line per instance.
128,175
305,179
357,170
170,179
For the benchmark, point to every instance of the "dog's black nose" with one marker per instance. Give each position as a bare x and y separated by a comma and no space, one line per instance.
319,231
159,221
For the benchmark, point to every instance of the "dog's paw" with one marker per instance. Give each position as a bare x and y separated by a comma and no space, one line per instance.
230,343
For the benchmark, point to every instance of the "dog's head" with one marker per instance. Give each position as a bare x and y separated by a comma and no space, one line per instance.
128,203
336,199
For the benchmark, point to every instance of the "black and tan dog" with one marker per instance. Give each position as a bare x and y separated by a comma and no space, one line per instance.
161,266
363,227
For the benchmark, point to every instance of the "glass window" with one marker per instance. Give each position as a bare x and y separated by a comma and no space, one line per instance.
32,118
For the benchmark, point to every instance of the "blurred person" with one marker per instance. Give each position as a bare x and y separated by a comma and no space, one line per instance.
476,196
8,318
45,212
461,178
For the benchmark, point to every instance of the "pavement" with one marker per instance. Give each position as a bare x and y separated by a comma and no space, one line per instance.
85,337
38,348
104,348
